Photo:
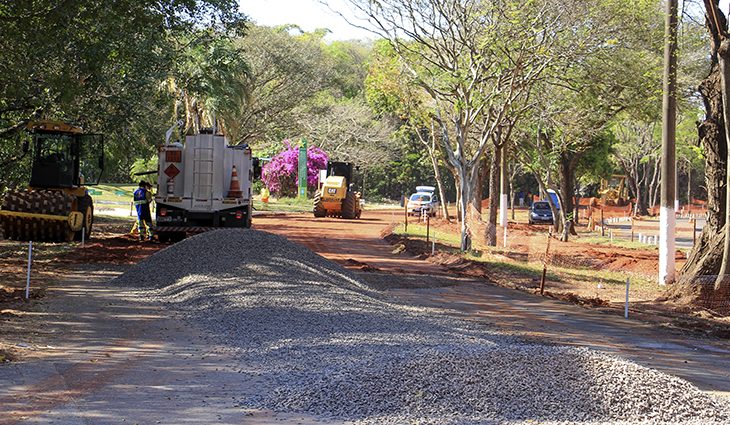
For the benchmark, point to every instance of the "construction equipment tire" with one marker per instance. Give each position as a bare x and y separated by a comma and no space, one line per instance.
249,217
41,201
349,206
85,205
319,210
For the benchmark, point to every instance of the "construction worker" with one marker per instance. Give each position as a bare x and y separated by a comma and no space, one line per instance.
142,200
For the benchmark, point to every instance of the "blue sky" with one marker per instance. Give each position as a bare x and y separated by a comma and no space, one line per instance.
308,14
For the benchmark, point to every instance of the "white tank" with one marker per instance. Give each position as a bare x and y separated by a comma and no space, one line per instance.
196,176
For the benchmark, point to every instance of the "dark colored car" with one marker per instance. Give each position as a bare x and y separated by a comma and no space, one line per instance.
540,212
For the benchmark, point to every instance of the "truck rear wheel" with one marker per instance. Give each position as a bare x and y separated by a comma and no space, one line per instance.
249,218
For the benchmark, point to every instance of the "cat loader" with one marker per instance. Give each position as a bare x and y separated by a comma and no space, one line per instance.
56,206
614,191
337,197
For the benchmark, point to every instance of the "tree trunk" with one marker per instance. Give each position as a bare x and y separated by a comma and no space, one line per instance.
479,185
464,192
457,183
567,189
503,187
689,186
705,259
722,285
512,195
439,183
642,199
494,190
576,207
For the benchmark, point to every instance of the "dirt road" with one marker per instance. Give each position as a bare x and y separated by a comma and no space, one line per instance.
91,354
102,357
359,245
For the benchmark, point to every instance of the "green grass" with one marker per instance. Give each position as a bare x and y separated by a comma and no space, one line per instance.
559,277
118,193
297,205
419,231
283,204
619,243
570,279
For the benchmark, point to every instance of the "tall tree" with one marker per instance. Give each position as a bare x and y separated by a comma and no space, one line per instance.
285,70
474,60
706,257
97,63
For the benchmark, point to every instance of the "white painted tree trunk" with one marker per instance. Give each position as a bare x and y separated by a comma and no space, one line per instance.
464,184
667,246
504,188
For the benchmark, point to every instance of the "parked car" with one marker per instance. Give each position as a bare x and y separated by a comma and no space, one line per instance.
424,199
540,212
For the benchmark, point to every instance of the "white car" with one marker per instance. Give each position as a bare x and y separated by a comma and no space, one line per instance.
424,199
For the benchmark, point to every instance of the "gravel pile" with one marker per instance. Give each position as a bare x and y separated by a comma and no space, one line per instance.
326,344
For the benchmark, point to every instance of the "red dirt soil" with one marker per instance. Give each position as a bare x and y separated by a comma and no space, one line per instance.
527,242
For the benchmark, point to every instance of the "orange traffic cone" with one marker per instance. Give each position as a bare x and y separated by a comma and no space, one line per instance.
235,189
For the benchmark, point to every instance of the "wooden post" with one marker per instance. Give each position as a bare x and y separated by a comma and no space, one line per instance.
405,210
544,263
694,231
30,263
428,225
626,305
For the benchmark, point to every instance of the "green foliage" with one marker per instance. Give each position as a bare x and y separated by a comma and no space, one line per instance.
98,64
284,72
393,179
348,66
142,165
595,163
130,69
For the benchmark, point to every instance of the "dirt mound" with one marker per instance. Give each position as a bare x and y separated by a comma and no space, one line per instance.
359,265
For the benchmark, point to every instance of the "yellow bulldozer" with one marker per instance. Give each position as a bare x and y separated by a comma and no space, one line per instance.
614,191
56,206
337,196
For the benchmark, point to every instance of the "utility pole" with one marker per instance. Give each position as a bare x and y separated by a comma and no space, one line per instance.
676,185
667,219
302,173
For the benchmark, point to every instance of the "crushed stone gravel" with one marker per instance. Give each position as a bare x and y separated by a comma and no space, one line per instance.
325,343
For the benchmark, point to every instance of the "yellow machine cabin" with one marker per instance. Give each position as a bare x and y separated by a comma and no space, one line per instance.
614,191
56,206
337,197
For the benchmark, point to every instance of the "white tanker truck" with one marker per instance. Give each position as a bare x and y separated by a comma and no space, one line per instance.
202,184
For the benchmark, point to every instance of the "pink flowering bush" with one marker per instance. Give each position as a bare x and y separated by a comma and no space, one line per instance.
280,175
